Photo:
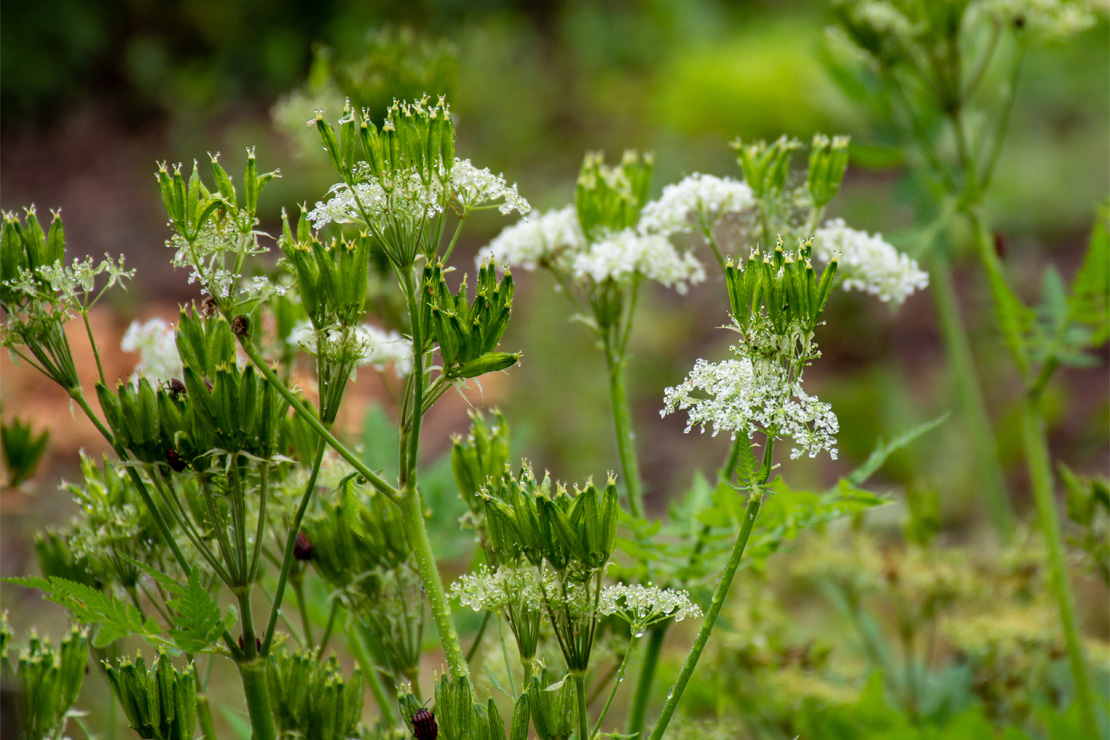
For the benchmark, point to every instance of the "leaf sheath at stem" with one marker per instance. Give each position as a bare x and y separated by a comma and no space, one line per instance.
253,674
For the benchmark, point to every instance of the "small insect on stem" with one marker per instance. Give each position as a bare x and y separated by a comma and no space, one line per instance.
176,387
424,725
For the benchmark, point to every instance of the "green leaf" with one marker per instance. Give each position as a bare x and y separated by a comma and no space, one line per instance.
1090,292
198,621
171,585
115,618
883,450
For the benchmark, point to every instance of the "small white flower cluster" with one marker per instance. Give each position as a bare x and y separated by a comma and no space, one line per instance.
541,239
408,197
158,357
79,278
262,288
365,345
867,263
884,18
1054,19
477,188
643,606
556,239
697,201
500,589
742,397
627,253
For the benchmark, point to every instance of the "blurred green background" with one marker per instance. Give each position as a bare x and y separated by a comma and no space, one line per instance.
93,94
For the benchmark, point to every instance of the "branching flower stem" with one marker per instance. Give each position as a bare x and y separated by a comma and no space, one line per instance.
616,685
290,544
720,594
658,632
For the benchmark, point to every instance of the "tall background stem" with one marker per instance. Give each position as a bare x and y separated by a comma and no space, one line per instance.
958,349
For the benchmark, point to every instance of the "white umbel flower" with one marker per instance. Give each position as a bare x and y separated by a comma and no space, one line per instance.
154,341
867,263
371,345
499,590
480,188
698,201
738,396
643,606
628,253
539,239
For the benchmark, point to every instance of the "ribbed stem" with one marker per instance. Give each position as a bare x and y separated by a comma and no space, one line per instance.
204,715
1035,441
626,447
412,519
253,674
1040,474
616,685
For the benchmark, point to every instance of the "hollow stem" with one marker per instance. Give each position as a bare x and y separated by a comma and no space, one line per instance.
412,520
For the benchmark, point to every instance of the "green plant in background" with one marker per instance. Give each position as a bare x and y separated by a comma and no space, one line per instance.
22,450
232,483
938,66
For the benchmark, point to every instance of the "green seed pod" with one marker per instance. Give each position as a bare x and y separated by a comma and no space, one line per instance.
828,160
553,706
160,704
48,681
522,718
478,459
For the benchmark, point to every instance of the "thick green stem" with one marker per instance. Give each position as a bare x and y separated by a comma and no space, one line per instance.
636,715
253,674
412,519
1040,474
958,349
370,673
580,689
626,447
719,596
